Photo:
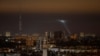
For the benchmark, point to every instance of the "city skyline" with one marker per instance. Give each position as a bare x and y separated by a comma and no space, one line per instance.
42,16
40,23
49,27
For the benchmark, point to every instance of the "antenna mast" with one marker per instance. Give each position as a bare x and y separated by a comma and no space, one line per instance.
20,18
20,24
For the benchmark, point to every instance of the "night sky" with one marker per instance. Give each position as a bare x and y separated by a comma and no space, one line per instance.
39,16
39,23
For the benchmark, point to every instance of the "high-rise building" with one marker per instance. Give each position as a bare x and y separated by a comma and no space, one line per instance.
74,36
8,34
59,34
0,34
93,35
24,35
45,39
82,34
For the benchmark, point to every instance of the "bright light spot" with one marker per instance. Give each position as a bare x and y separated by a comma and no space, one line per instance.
62,21
62,50
33,48
19,41
6,40
51,46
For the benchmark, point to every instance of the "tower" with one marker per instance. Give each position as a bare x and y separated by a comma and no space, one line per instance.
45,39
20,24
